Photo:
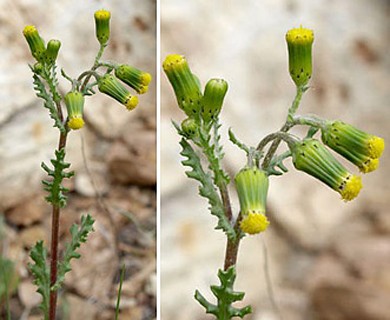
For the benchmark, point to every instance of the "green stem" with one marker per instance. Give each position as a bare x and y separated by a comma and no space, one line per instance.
287,126
118,301
311,121
94,67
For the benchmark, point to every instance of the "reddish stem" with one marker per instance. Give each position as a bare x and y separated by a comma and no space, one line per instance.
55,228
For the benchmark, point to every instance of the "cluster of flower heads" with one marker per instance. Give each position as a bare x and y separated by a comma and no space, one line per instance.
198,107
111,85
308,155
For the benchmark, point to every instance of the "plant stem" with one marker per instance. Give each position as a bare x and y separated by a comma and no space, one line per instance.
291,111
232,245
55,227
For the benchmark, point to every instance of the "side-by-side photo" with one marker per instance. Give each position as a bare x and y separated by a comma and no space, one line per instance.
78,160
274,178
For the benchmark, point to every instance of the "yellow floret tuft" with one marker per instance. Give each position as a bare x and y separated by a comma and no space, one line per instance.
146,78
29,30
76,123
352,187
131,102
254,223
173,60
376,146
102,14
300,36
143,89
369,165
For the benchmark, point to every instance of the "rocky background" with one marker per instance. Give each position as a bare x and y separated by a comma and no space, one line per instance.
118,163
327,259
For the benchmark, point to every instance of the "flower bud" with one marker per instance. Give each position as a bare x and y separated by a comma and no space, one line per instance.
133,77
189,127
359,147
102,24
213,96
38,67
184,84
299,44
313,158
51,54
74,101
111,86
252,188
35,42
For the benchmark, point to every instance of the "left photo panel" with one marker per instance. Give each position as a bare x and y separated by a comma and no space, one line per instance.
78,160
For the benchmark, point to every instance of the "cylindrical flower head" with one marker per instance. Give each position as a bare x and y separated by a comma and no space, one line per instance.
184,84
102,25
133,77
313,158
189,127
252,189
359,147
74,101
111,86
53,46
35,42
299,44
213,96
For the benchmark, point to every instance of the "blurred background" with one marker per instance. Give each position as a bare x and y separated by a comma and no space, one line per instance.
120,157
327,259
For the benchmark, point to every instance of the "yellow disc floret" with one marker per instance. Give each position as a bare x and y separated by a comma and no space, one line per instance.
173,60
29,30
254,223
369,165
376,146
131,102
351,187
102,14
76,123
300,36
143,89
146,78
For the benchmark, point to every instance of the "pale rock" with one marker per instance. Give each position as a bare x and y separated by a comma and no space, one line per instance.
29,211
29,236
28,294
135,161
80,308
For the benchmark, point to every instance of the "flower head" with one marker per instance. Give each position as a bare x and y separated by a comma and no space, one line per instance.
313,158
111,86
51,54
213,96
102,24
35,42
74,101
299,44
189,127
252,188
133,77
359,147
184,83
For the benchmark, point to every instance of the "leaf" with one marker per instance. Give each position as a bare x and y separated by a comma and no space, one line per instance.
226,296
41,273
49,103
79,236
206,189
54,186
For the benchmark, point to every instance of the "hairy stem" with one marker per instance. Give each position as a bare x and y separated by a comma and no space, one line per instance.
94,67
55,227
231,253
287,126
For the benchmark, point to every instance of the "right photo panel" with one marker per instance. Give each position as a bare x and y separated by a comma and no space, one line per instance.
274,175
